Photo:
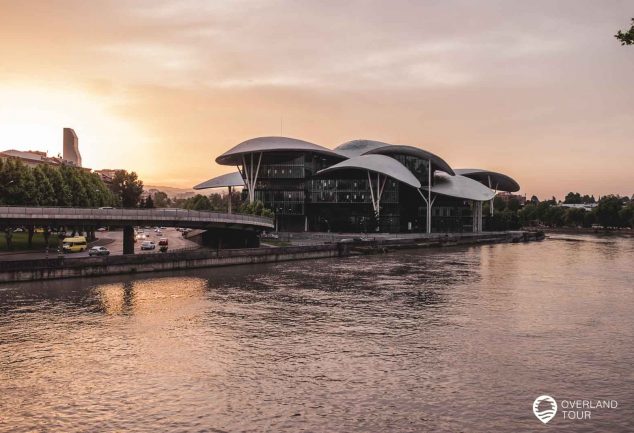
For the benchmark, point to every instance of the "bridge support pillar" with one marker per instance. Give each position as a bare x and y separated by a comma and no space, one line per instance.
128,240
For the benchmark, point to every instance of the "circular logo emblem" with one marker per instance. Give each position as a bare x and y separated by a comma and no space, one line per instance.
545,408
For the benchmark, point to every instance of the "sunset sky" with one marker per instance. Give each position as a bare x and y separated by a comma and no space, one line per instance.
540,90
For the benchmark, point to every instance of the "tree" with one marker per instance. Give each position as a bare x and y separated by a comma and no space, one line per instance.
528,214
161,199
127,188
572,198
627,37
256,208
607,211
574,217
534,199
45,194
513,204
499,204
149,203
626,215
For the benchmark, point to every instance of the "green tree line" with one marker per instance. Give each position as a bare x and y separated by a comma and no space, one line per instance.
219,203
46,185
611,211
65,185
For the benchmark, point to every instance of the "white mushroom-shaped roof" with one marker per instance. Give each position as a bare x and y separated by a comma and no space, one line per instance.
499,181
229,179
461,187
379,164
437,162
354,148
270,144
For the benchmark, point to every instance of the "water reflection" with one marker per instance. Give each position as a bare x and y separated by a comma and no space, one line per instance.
410,341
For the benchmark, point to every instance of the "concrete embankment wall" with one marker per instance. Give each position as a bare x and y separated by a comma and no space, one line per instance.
68,267
97,266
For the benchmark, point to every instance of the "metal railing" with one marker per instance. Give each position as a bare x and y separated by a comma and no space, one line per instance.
164,214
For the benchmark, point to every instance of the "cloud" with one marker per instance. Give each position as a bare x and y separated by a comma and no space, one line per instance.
500,84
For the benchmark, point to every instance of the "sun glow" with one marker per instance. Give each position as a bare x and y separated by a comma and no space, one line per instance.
32,118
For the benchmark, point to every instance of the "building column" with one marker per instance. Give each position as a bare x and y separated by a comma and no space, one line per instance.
128,240
429,201
250,173
375,195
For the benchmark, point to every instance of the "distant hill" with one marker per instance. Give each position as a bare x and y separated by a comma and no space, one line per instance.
171,191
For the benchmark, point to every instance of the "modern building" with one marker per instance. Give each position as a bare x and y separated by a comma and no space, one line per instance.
106,174
360,186
71,148
32,158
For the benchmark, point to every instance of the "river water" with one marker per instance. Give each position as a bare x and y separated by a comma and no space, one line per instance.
457,339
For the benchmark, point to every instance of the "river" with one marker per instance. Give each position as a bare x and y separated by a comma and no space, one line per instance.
456,339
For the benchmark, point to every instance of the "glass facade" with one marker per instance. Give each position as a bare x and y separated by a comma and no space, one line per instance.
342,200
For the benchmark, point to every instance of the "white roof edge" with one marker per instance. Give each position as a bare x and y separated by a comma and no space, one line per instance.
224,180
380,164
460,187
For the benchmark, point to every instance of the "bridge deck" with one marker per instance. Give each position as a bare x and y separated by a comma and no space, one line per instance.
121,217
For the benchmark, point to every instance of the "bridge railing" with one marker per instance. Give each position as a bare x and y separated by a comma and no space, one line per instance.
163,214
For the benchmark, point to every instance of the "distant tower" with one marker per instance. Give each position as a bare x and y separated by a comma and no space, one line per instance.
71,147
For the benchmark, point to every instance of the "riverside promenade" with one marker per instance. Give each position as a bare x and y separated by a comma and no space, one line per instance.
67,267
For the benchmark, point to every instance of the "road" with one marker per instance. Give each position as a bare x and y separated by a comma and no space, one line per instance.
175,239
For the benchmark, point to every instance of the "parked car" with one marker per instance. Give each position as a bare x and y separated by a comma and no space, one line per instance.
18,230
106,207
98,251
163,241
148,245
102,229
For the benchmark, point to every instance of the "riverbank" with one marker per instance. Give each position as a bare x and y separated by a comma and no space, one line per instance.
65,267
590,231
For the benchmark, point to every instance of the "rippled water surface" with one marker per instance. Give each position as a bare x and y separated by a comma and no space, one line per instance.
445,340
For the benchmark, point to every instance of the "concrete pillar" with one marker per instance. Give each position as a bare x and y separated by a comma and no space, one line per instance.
229,208
128,240
477,216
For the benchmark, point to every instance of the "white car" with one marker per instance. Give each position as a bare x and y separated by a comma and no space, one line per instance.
148,245
98,251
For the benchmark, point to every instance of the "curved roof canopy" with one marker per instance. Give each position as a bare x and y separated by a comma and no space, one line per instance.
379,164
229,179
354,148
437,161
499,181
461,187
270,144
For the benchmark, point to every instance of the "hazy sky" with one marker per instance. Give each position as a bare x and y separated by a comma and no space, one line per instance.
540,90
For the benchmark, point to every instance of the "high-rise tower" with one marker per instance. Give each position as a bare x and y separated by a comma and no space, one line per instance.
71,147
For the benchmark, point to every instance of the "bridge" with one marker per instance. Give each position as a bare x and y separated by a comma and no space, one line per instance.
221,225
